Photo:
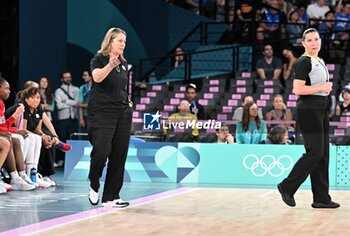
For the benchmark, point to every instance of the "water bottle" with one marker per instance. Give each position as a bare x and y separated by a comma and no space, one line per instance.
33,174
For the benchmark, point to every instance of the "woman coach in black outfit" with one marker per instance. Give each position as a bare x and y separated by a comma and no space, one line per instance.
110,116
312,84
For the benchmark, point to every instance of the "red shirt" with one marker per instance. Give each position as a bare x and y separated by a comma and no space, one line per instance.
6,125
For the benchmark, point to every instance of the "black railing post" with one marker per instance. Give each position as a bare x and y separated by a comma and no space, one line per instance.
186,67
201,41
140,75
235,59
189,67
205,33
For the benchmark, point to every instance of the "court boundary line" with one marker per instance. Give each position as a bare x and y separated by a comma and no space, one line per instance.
80,216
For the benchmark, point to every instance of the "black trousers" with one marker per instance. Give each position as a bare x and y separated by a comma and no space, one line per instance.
47,157
109,135
313,121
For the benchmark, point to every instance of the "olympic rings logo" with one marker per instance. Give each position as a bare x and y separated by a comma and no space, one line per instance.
268,164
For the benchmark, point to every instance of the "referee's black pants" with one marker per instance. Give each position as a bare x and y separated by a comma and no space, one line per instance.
313,121
109,135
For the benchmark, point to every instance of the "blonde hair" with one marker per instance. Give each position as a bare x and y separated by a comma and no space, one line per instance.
106,43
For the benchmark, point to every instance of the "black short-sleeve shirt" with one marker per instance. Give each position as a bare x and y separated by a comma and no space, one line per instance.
34,118
110,95
311,70
269,68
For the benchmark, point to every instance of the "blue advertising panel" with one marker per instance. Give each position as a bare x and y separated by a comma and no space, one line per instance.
200,163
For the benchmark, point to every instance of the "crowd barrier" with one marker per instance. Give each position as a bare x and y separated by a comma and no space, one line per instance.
206,163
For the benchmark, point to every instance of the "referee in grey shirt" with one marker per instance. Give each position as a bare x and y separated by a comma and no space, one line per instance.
311,84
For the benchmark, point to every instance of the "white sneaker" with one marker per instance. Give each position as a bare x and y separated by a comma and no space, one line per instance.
41,182
29,181
118,203
6,186
3,190
93,197
50,180
20,184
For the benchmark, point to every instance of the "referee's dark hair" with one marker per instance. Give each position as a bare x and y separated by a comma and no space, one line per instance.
310,30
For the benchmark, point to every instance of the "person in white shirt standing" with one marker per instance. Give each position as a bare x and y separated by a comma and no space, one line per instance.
67,98
317,11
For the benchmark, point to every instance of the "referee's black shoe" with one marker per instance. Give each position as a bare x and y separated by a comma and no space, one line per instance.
286,197
330,204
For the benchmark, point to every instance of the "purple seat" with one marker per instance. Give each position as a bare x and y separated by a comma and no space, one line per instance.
227,109
222,117
174,101
265,96
179,95
291,104
145,100
152,94
236,96
232,102
140,107
135,114
169,108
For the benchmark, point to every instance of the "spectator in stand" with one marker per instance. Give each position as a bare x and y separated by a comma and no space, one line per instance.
202,7
184,114
279,111
342,15
238,113
269,67
179,57
195,108
67,98
337,41
317,11
327,26
244,15
303,17
343,108
330,3
278,135
288,66
286,6
273,21
221,10
251,130
223,135
84,92
294,28
47,100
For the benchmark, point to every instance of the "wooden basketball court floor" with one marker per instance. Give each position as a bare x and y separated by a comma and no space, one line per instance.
176,210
